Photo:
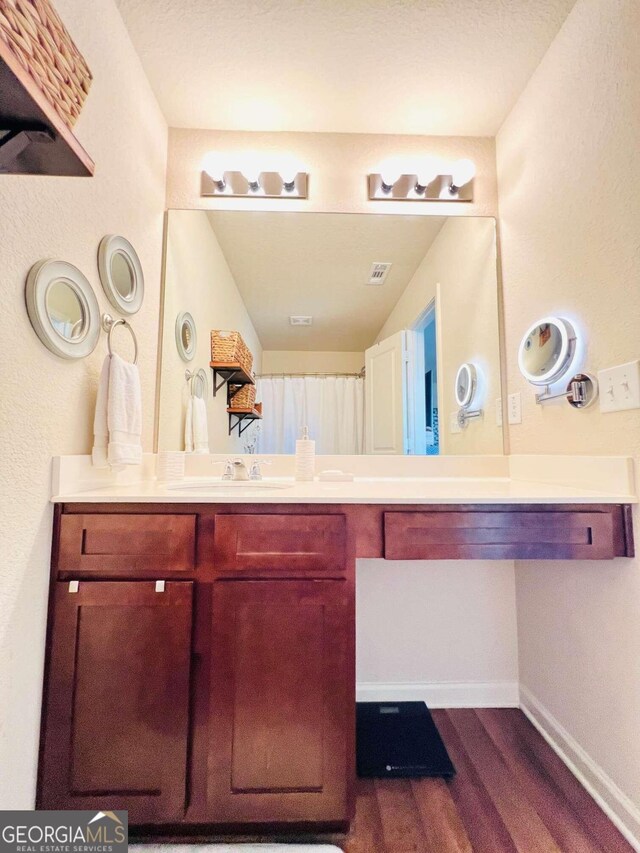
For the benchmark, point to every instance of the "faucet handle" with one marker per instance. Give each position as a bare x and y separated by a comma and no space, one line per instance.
227,473
254,472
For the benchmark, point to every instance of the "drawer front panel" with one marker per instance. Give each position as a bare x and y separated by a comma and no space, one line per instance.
498,535
280,544
115,545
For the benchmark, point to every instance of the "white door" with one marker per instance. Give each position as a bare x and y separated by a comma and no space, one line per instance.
386,396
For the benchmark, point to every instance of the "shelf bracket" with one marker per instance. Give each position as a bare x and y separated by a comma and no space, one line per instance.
15,140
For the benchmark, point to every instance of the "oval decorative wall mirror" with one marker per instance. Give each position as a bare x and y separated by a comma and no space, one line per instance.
466,382
121,273
62,308
186,336
546,350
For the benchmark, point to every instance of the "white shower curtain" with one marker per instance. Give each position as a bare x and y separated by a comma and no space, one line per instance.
331,406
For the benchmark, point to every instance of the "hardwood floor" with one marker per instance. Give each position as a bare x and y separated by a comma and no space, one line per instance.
511,794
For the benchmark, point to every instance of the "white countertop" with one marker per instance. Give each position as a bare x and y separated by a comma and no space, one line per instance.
453,480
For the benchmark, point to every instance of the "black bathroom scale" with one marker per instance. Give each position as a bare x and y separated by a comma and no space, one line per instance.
399,739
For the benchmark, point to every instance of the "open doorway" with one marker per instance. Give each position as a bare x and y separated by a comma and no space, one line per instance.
425,408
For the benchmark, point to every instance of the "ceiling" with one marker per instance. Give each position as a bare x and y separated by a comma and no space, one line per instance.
317,264
446,67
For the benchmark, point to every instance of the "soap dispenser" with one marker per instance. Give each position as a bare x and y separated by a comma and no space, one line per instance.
305,457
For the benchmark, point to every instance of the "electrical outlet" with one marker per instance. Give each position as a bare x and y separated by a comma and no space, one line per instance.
620,387
454,426
499,411
514,407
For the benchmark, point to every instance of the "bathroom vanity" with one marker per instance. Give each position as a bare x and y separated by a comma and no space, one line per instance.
200,655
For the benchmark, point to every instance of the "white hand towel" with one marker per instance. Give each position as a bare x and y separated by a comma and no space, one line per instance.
100,426
188,427
200,426
124,413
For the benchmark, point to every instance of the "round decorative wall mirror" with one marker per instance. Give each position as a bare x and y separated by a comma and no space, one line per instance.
62,308
546,350
466,382
186,336
121,273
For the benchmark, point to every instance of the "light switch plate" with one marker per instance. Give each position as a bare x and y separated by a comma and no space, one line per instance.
514,406
620,387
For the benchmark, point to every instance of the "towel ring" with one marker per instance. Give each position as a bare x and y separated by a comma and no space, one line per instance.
192,376
109,324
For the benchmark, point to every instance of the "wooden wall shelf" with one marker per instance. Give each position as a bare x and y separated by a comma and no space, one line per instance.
243,416
47,146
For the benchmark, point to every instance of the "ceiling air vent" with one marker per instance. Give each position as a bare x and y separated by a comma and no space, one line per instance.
378,273
299,320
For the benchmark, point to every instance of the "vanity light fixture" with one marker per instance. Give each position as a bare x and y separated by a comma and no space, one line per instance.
429,179
247,179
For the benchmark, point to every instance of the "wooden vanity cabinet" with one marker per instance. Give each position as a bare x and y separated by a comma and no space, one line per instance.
223,698
116,713
282,701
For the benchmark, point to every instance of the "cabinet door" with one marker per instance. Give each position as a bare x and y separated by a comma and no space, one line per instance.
282,702
115,723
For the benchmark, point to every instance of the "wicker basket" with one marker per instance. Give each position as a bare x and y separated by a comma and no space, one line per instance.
244,398
40,42
229,348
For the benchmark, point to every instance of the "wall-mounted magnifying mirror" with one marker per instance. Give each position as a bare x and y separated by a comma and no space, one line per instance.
63,309
546,350
121,273
186,336
466,381
466,386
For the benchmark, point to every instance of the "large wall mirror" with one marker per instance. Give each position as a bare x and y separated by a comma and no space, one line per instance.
358,324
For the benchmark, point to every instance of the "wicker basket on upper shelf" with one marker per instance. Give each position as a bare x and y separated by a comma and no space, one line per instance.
229,348
244,397
40,42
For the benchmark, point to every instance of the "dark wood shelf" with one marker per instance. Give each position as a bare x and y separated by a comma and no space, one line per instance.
231,374
241,416
49,148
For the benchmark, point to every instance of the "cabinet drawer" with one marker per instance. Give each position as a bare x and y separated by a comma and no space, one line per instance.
514,534
122,545
280,544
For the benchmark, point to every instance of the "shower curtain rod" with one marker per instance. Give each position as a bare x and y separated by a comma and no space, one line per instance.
302,375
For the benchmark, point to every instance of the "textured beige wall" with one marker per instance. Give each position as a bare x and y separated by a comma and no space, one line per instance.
462,261
569,179
198,280
297,361
338,164
46,403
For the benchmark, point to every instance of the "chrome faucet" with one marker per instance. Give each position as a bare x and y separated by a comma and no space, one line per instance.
235,469
254,472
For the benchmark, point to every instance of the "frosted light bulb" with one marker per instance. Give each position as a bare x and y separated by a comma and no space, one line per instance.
388,175
462,171
251,171
212,165
428,170
288,174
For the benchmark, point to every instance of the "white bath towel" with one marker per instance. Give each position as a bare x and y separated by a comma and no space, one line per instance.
124,413
100,426
196,428
188,426
200,426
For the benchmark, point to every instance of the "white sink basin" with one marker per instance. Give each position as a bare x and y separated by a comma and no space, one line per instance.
204,485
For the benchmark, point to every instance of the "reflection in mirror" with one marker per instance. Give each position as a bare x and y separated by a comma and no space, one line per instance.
357,324
65,310
122,275
546,350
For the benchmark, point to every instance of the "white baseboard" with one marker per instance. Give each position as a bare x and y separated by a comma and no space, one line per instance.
615,804
443,694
